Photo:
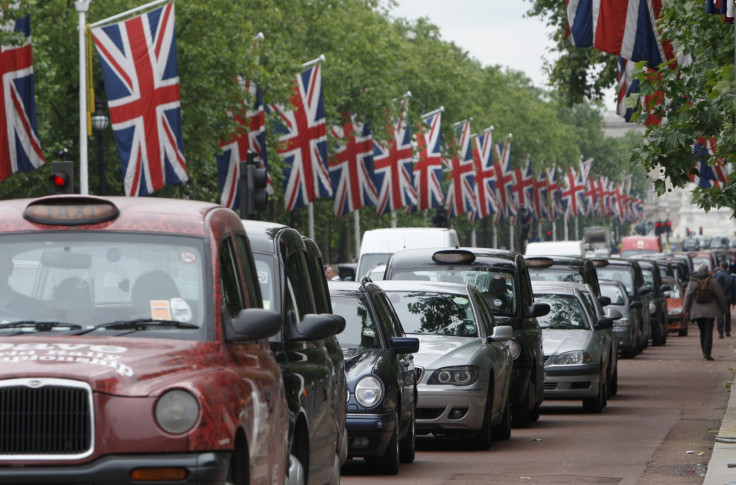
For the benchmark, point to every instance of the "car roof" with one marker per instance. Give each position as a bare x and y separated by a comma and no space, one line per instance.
263,234
424,286
135,214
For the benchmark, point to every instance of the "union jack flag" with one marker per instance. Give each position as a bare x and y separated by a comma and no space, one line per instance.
461,191
428,168
392,165
723,7
709,175
504,181
351,169
250,136
523,188
554,189
540,203
485,178
138,62
20,148
572,194
303,142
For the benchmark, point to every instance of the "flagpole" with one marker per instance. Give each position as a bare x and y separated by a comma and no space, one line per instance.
126,13
82,6
356,230
434,112
307,64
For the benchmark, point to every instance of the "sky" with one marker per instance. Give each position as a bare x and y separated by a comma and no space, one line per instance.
495,32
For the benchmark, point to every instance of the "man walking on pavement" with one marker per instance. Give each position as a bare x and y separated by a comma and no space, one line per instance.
727,282
704,301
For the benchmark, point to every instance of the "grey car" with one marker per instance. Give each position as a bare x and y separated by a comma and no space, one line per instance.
464,363
626,328
577,346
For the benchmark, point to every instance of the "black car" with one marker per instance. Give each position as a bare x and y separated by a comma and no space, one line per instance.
310,378
629,273
382,390
564,268
503,280
657,300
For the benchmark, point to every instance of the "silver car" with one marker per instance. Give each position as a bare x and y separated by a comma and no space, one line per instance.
464,363
577,345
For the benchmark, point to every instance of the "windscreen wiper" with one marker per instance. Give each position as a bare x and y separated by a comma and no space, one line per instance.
39,326
138,324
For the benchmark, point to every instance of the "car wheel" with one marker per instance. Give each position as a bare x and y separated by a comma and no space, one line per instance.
408,444
389,464
520,415
595,404
502,431
613,383
483,439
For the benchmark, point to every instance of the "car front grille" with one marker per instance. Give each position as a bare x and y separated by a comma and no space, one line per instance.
45,419
419,371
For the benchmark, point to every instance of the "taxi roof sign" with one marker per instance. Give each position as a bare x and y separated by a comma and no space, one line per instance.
453,256
70,211
539,262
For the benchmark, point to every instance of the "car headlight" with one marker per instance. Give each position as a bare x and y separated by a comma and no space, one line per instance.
622,322
456,376
674,311
369,391
514,348
574,357
177,411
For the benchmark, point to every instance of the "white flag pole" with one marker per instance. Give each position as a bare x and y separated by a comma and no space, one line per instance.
82,6
307,64
126,13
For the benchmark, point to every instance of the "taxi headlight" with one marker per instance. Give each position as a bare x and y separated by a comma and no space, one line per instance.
514,348
574,357
622,322
369,391
674,311
177,411
456,376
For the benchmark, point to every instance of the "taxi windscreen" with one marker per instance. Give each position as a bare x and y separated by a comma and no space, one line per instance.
103,282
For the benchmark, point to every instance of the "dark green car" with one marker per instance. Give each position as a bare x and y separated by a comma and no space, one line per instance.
503,280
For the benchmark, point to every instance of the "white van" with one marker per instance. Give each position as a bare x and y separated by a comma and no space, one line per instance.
378,245
556,248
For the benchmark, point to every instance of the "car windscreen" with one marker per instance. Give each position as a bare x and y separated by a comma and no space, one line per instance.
360,329
556,273
496,286
369,261
566,312
94,278
621,273
434,313
614,293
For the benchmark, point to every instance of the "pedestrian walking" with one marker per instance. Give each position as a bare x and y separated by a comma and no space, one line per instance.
704,301
732,265
728,285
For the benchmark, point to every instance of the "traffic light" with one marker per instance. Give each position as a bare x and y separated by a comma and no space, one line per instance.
253,182
658,228
440,218
62,177
668,226
548,235
524,220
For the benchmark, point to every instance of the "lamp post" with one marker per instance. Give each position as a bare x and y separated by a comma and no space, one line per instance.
99,123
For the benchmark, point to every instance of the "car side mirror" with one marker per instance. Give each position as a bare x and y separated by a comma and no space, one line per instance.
502,333
665,288
253,324
604,300
405,345
340,321
312,327
604,323
614,314
635,305
537,309
645,290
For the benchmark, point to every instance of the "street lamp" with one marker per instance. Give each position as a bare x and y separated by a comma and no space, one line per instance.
99,123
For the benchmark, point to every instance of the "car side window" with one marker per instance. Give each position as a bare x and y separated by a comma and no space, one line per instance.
229,281
297,286
486,315
385,317
398,330
525,283
253,293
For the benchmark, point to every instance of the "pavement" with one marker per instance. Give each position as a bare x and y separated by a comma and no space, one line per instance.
722,465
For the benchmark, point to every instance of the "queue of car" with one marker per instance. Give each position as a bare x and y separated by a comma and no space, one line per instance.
184,345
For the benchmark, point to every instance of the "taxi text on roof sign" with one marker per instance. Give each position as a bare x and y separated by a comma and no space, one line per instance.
70,211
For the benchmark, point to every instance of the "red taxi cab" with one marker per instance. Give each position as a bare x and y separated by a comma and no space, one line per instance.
132,348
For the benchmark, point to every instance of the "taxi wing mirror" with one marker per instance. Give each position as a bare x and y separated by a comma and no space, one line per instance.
614,314
254,324
312,327
604,300
537,309
604,323
635,305
405,345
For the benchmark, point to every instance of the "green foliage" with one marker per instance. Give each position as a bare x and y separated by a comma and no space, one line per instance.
371,59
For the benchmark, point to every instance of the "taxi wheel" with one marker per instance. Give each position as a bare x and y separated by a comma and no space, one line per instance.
482,440
408,445
502,431
682,333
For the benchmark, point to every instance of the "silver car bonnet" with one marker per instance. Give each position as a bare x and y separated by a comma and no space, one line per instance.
556,342
437,351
